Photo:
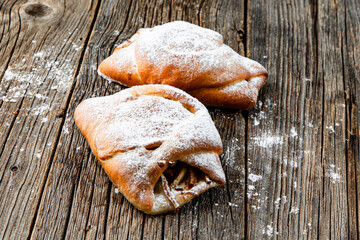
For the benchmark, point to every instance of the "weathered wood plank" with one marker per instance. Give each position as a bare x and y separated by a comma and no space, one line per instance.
333,196
351,55
9,32
116,218
82,211
274,154
227,219
297,136
34,90
276,125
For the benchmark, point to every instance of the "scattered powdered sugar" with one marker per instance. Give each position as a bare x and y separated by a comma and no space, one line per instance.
140,19
331,129
9,75
254,178
261,110
39,54
233,204
267,141
67,124
294,210
279,201
40,110
76,47
293,132
258,116
291,163
268,230
251,190
332,174
19,83
231,152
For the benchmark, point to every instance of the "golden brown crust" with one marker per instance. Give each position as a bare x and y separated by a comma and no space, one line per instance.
227,96
188,57
137,133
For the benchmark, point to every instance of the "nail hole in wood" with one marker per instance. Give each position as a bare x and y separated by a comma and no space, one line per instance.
38,10
14,169
60,113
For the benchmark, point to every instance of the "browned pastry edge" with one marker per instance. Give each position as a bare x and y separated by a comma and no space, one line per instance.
213,96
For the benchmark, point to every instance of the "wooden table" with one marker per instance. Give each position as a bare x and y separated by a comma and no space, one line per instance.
292,162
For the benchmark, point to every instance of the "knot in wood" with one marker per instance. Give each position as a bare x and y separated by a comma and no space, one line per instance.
37,10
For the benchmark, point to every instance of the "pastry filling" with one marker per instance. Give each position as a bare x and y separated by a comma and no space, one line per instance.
181,178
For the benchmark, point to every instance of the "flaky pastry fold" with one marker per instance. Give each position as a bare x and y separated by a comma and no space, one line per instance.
157,144
188,57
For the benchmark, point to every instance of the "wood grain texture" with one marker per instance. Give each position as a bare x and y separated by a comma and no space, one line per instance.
292,162
350,53
37,76
297,136
333,198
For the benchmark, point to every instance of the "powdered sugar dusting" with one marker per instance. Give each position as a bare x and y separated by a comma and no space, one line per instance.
241,88
208,161
268,230
293,132
19,83
331,129
233,204
254,178
294,210
266,141
185,45
138,126
332,174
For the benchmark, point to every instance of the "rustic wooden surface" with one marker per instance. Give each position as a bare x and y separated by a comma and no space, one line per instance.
292,162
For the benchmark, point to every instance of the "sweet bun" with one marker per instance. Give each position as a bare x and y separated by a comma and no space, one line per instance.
157,144
188,57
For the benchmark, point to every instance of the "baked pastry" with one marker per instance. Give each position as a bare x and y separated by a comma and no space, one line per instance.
157,144
188,57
